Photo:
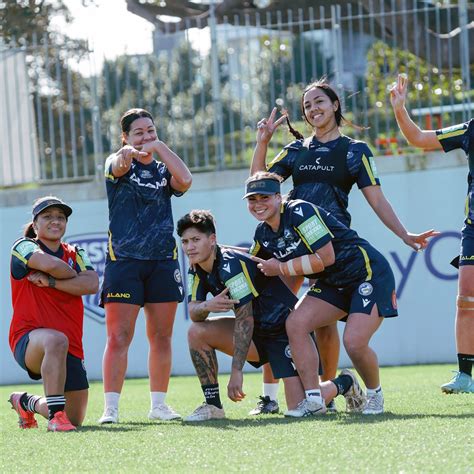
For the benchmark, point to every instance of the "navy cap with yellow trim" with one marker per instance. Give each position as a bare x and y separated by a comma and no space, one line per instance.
262,186
50,201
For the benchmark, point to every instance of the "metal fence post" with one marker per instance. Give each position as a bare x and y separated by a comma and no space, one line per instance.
216,89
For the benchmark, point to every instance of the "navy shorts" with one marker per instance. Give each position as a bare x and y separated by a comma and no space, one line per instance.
141,281
362,296
76,375
275,349
467,245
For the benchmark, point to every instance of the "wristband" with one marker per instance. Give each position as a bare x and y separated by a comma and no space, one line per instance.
51,282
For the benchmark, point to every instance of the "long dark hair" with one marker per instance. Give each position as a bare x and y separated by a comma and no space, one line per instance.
332,94
130,116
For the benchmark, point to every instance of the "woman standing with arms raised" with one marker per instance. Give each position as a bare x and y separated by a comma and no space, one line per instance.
324,167
142,267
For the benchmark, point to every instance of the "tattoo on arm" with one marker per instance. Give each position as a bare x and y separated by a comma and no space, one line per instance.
205,363
243,331
198,311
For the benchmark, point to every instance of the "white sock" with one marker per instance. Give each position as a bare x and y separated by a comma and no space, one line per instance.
271,390
372,391
314,395
111,399
157,398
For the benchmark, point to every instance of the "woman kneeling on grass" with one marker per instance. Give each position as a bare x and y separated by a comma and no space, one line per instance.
48,278
354,283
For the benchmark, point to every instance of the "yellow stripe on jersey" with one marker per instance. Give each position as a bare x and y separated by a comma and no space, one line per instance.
367,263
249,280
111,250
80,262
322,221
303,239
455,133
20,257
194,287
175,252
255,248
277,158
369,170
466,210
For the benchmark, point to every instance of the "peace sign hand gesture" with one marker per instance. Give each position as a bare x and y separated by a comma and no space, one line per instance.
398,93
267,126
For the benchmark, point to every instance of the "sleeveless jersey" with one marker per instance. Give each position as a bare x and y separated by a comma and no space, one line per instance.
324,173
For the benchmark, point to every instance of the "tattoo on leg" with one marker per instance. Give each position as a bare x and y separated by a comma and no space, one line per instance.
205,363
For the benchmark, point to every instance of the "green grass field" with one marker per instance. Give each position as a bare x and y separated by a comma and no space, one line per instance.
421,431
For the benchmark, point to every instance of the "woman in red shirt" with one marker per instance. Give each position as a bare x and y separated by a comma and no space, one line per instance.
48,278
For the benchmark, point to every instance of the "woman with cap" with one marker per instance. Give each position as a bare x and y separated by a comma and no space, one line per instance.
142,269
48,278
354,283
324,167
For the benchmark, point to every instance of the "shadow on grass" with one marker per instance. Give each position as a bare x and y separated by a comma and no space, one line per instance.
232,424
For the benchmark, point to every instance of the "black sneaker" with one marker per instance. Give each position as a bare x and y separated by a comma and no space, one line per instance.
265,406
331,406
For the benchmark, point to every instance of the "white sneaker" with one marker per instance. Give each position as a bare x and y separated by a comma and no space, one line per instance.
374,404
355,396
206,412
110,416
308,408
163,412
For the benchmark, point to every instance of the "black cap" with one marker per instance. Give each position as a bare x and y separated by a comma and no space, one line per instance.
262,186
50,201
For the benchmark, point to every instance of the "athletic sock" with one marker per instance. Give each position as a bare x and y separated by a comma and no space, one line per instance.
373,391
28,402
314,394
157,398
111,399
465,363
343,383
55,403
211,394
271,390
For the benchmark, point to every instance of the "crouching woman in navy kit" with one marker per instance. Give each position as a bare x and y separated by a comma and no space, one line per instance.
354,281
142,267
257,333
48,278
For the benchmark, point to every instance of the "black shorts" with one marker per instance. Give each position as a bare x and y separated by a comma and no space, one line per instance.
76,375
275,349
141,281
362,296
467,245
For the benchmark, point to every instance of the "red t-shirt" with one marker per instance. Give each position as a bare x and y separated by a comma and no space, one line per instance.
35,307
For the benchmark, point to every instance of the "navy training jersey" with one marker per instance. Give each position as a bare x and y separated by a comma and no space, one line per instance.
305,228
324,173
462,136
271,299
140,215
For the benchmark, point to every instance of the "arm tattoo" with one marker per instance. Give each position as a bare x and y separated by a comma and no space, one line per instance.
198,311
205,363
243,331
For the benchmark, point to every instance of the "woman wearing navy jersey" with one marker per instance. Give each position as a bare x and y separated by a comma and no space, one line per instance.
450,138
48,278
142,267
324,167
354,282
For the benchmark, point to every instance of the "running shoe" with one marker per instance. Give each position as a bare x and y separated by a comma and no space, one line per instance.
355,396
265,406
308,408
60,422
163,412
460,383
26,419
109,416
374,405
206,412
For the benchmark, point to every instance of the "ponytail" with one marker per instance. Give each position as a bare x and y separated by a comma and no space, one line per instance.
28,231
294,132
